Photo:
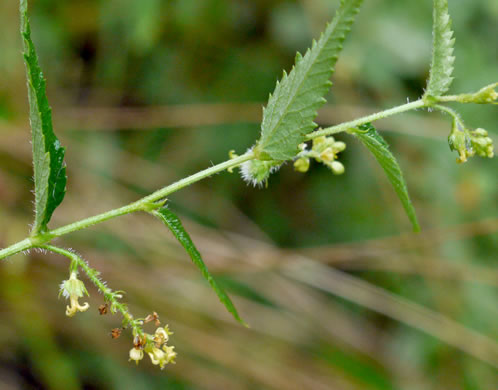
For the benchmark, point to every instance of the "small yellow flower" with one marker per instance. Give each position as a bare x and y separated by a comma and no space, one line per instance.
328,155
157,357
170,354
162,335
136,354
73,289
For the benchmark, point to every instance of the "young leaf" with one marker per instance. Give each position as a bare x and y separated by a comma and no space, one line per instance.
380,149
48,154
291,109
442,51
176,227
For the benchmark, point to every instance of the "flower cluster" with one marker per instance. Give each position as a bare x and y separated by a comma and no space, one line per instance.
468,143
73,289
486,95
324,150
155,346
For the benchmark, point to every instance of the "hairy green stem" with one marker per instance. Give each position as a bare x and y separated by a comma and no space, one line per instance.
150,202
145,204
369,118
451,98
16,248
162,193
109,295
450,112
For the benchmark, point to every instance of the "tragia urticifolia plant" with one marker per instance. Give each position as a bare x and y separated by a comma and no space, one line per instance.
288,134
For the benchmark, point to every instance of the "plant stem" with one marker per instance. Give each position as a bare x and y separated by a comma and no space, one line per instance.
145,203
449,111
369,118
16,248
451,98
162,193
93,276
81,263
149,202
456,117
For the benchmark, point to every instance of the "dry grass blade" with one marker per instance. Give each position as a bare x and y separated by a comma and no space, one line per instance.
198,115
381,301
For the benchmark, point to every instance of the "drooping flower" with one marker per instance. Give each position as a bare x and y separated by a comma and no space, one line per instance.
73,289
157,356
154,345
136,354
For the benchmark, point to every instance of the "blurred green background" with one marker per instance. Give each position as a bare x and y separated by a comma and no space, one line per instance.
338,291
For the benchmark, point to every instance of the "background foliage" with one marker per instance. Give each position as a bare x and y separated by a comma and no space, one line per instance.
145,92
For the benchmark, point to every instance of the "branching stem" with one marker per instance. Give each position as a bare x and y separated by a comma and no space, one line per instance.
156,199
145,204
369,118
110,296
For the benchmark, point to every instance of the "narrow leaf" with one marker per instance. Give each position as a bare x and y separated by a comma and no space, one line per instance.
176,227
442,51
380,149
291,109
48,154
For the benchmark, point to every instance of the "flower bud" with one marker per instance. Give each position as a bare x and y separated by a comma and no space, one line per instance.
486,95
469,143
480,132
482,144
339,146
337,168
302,164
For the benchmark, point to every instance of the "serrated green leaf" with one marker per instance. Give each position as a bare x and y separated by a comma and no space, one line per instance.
442,51
293,106
176,227
48,154
380,149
